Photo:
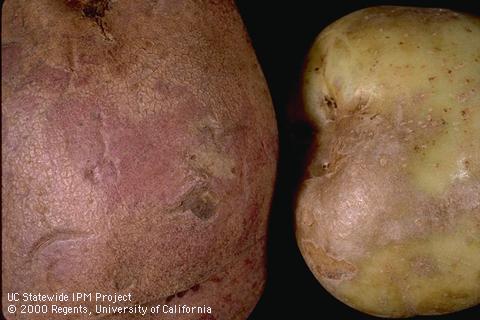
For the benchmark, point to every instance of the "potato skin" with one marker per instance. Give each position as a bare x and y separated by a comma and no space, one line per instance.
139,152
388,216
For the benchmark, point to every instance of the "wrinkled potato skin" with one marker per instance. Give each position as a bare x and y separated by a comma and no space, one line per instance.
388,216
139,151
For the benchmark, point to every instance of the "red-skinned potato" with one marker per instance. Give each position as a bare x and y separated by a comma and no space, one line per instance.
139,152
388,216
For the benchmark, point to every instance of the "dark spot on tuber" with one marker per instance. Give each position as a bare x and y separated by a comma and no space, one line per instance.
331,107
330,102
102,171
90,8
216,279
169,298
195,288
200,201
181,293
467,163
95,10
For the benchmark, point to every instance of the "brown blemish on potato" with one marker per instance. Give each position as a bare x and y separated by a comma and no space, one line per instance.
122,278
213,158
326,266
215,279
181,293
200,201
102,172
213,163
94,9
330,107
41,208
90,8
195,287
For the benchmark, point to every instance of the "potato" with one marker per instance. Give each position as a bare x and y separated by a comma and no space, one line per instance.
388,214
139,152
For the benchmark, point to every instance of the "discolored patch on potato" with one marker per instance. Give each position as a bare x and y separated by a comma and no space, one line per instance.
122,278
55,236
95,10
200,201
105,171
326,266
432,275
180,294
213,164
90,8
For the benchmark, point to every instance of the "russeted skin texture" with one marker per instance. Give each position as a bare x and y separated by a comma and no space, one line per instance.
139,152
388,216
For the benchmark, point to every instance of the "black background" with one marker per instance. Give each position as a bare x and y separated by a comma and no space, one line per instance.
281,33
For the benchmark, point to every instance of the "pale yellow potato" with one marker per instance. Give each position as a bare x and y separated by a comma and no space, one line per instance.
388,216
